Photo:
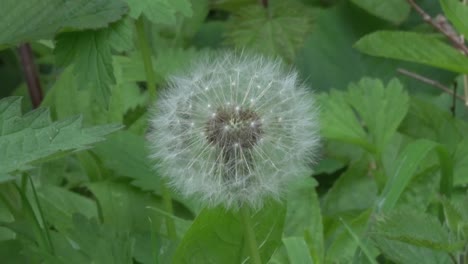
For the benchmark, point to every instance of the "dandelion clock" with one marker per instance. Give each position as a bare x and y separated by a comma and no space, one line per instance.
233,130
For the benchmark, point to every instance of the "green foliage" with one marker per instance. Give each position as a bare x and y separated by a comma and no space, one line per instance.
391,185
160,11
278,30
216,236
395,11
27,20
415,47
33,137
456,12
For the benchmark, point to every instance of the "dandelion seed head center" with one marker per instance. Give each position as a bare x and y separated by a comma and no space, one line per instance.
234,127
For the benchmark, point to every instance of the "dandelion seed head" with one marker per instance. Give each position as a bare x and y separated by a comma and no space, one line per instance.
234,129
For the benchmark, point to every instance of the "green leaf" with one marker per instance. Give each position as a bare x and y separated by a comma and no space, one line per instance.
392,10
90,54
304,219
59,205
101,243
360,243
297,250
339,121
353,191
461,163
341,244
160,11
126,154
33,137
278,30
415,47
456,12
27,20
401,174
381,108
418,229
328,59
216,236
126,208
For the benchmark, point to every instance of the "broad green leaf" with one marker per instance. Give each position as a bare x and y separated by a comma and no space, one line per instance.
392,10
278,30
126,154
90,54
101,243
338,120
328,59
34,137
59,205
401,174
160,11
27,20
456,12
400,252
297,250
217,236
360,243
380,108
418,229
67,99
131,69
304,218
353,191
414,47
341,244
126,208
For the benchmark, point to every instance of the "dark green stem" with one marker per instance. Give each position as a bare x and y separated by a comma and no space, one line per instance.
167,200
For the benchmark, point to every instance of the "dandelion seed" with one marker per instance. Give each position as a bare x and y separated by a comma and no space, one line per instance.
237,145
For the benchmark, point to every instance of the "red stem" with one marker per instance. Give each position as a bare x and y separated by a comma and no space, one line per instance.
31,74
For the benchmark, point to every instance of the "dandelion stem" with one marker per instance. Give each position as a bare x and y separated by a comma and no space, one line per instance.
146,57
250,235
167,200
151,84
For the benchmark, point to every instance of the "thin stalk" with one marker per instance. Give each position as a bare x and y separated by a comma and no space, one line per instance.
151,85
41,215
167,201
146,57
30,74
250,235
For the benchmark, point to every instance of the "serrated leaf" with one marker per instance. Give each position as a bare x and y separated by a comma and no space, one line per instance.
414,47
418,229
338,121
461,163
456,12
160,11
90,54
217,236
33,137
279,30
392,10
27,20
381,108
328,59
